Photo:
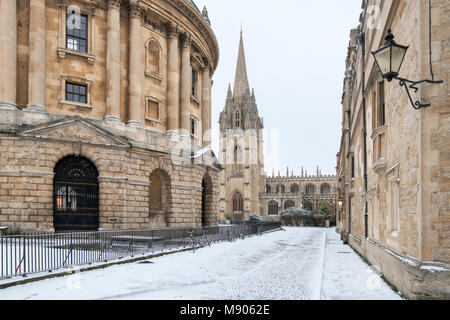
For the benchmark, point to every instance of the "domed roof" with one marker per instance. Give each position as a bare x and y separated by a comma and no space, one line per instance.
192,3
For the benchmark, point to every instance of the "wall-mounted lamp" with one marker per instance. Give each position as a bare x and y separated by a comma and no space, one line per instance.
389,59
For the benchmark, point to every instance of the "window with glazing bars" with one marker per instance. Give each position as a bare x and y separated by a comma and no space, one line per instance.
76,92
76,33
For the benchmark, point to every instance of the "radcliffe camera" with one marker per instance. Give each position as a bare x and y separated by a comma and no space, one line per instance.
225,159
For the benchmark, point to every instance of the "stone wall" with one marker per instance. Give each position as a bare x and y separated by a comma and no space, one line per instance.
408,229
27,170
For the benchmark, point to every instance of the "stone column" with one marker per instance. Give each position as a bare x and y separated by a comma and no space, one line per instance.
36,63
8,54
206,106
135,68
186,85
113,61
173,80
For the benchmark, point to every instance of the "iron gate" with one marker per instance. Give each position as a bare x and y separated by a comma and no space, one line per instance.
75,194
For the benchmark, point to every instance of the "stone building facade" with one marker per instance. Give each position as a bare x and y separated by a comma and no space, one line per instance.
393,164
105,115
303,191
241,148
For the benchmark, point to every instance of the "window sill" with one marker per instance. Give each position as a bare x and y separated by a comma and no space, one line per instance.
194,101
75,104
62,52
378,131
154,77
380,166
153,120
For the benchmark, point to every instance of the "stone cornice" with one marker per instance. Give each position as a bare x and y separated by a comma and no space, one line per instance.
198,21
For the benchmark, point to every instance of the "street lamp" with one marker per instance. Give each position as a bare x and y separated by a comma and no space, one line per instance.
340,204
389,59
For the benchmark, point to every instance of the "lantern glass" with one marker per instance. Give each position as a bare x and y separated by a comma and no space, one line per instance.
383,59
398,54
389,57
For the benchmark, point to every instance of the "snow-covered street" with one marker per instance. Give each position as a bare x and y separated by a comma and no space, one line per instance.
295,264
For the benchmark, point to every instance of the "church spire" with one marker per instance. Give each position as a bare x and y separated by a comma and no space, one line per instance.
241,86
229,94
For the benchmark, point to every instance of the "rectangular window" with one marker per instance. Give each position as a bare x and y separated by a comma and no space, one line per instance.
194,82
353,167
76,32
152,111
193,127
381,105
393,206
76,92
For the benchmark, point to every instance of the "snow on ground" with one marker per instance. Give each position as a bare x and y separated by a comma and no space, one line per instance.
296,264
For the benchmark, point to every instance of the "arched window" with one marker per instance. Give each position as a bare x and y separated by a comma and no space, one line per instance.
238,119
238,203
153,58
310,189
295,188
289,204
268,189
325,189
273,208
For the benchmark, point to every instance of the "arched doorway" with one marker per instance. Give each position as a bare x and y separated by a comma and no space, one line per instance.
159,198
75,195
207,217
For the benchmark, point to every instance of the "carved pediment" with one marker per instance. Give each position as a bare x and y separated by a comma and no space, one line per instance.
75,129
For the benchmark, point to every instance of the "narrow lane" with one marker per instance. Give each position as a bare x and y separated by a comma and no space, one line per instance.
284,265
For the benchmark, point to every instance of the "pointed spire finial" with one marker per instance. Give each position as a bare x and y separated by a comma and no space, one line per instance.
241,86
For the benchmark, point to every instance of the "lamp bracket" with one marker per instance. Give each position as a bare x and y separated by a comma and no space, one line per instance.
413,85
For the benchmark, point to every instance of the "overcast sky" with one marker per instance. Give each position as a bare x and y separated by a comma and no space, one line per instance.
295,52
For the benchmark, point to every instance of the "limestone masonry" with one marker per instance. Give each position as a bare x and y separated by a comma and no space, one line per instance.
406,231
105,115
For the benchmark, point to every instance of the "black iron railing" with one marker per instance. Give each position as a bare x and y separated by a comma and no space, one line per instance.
27,254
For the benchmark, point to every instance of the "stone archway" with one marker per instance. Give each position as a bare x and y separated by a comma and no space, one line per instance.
75,195
207,207
159,198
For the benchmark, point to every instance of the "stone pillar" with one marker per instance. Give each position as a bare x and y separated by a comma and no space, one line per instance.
206,106
113,61
36,63
186,86
135,110
173,80
8,54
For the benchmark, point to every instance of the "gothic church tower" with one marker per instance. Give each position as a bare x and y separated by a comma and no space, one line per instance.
241,148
